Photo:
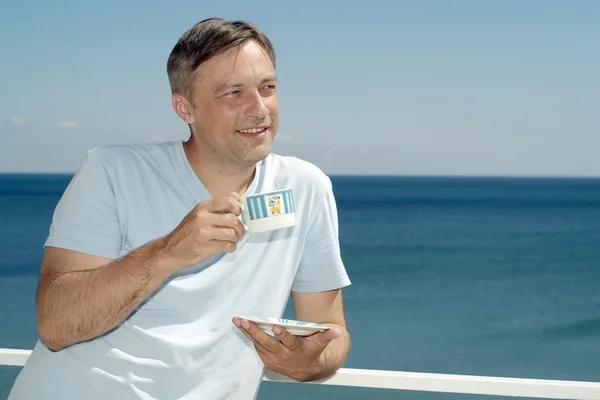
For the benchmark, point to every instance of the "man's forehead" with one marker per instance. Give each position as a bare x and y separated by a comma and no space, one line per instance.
234,69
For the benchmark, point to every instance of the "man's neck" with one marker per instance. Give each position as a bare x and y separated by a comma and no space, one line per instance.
218,180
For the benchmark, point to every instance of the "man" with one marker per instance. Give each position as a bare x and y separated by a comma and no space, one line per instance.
148,267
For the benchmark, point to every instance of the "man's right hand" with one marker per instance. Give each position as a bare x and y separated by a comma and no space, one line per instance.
210,228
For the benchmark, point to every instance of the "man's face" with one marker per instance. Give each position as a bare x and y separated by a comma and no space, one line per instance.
235,110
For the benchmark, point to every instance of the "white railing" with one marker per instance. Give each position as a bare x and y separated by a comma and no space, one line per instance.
444,383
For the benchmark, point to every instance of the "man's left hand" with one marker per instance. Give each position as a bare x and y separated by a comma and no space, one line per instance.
298,357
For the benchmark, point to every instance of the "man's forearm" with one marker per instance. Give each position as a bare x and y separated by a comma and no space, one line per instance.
81,305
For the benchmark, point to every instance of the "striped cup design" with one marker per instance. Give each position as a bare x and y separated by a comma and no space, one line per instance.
266,205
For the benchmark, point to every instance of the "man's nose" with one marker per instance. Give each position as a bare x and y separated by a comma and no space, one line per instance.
257,107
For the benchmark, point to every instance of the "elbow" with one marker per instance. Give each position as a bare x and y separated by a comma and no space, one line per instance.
49,340
49,336
52,346
314,376
48,322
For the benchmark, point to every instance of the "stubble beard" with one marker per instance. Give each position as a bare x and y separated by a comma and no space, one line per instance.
242,156
247,154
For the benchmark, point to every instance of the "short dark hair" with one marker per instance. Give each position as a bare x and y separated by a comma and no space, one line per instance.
205,40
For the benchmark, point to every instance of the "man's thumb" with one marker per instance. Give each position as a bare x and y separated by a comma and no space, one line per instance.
329,335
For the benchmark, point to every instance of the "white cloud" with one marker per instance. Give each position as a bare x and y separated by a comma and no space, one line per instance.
67,124
18,121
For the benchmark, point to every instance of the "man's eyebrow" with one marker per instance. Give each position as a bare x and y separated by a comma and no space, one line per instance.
229,85
233,85
270,78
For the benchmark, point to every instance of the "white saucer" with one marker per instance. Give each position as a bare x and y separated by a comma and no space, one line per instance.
297,328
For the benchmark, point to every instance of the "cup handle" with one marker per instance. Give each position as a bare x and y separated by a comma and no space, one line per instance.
242,209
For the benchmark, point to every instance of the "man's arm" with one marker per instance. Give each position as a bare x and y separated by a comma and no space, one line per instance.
316,296
82,292
326,308
80,296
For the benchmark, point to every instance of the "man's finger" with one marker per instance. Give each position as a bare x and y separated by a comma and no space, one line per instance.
267,341
264,356
331,334
259,347
239,228
219,246
290,341
227,204
322,339
258,336
228,220
223,234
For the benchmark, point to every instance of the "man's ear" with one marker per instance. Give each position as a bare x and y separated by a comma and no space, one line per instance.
182,107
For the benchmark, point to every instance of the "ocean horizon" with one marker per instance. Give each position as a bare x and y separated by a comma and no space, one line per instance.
478,275
368,175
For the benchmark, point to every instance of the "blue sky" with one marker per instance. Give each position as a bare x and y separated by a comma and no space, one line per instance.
378,87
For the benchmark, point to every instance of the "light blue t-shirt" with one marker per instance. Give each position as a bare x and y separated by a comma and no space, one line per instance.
181,343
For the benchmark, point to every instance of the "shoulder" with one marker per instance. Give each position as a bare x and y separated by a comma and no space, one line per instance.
301,172
114,155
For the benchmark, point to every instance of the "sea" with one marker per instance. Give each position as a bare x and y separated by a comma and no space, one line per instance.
483,276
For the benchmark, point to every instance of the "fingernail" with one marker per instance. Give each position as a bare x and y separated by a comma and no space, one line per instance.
277,330
245,324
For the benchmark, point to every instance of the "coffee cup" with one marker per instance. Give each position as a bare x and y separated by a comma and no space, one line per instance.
268,211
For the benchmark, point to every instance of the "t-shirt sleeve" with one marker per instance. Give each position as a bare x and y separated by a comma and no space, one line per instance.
321,267
86,218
